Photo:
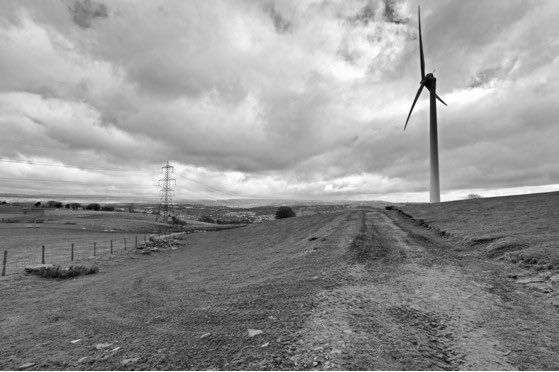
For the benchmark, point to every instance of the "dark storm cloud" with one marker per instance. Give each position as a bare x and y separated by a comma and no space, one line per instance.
391,12
281,24
84,12
364,16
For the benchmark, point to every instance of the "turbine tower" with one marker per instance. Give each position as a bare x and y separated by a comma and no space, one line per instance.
166,205
430,82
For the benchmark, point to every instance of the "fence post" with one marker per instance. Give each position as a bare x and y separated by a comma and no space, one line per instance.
124,243
136,245
111,246
4,263
144,239
94,248
43,255
72,256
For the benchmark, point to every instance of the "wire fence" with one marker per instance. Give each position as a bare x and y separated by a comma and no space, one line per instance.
14,261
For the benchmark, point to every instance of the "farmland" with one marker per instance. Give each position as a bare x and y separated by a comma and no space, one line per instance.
352,290
58,229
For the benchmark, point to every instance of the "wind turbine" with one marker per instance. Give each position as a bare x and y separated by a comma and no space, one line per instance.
430,82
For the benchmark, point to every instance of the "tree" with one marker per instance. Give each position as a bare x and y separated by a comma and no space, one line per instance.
54,204
93,207
474,196
284,212
37,204
108,208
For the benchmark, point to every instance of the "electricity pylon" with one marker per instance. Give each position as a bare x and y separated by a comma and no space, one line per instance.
166,204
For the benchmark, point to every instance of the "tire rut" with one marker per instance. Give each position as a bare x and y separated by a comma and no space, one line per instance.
402,310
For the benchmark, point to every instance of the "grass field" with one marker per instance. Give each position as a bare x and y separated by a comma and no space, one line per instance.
185,309
24,244
523,229
60,228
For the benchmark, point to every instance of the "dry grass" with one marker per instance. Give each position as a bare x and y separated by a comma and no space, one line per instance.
523,228
58,272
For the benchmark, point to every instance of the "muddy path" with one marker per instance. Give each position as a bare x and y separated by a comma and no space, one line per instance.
414,300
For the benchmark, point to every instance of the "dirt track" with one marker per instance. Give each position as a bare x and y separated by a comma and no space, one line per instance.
415,301
341,291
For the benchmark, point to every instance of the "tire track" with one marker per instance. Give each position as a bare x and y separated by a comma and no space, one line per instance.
403,309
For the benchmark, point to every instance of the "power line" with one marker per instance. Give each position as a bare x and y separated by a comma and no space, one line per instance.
209,188
33,162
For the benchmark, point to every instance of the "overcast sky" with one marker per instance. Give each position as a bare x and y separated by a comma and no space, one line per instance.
277,99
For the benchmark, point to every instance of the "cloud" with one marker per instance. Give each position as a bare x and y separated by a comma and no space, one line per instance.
293,98
84,12
281,24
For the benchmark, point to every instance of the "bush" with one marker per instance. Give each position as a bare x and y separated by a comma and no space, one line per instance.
108,208
284,212
474,196
177,221
73,205
207,219
54,204
58,272
93,207
38,204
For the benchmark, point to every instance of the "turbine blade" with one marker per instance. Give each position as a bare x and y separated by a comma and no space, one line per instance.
440,99
421,59
413,104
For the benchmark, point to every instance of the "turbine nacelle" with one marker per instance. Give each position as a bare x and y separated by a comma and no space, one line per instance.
430,81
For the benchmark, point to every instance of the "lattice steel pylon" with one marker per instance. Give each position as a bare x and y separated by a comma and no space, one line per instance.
166,204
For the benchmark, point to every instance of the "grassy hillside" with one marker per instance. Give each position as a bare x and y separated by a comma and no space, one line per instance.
520,228
190,308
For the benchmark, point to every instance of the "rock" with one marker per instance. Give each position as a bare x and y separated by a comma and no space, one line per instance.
205,335
102,346
75,341
86,359
554,278
530,280
315,363
336,351
125,362
265,345
26,365
115,349
254,332
37,268
348,331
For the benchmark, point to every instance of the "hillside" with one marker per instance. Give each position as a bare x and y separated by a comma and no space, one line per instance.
522,228
158,308
359,290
